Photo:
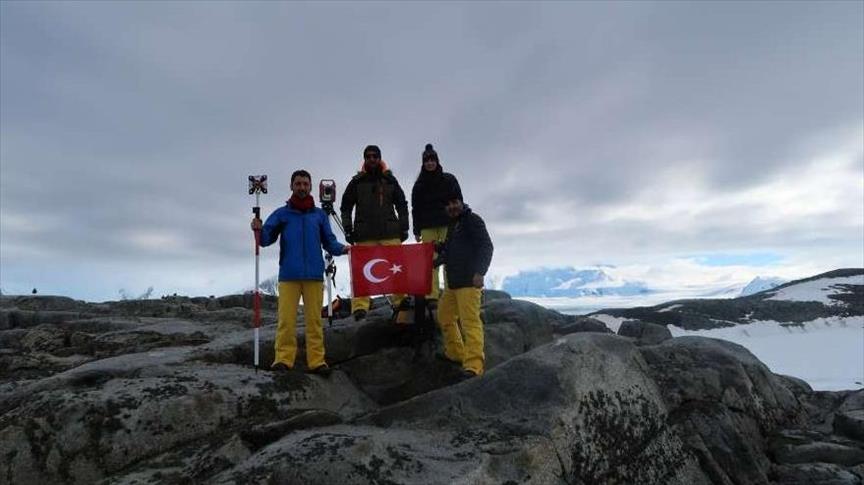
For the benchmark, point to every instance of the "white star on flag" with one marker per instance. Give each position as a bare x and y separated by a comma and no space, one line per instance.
396,268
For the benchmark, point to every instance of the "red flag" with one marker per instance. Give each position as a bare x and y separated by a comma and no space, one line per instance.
378,270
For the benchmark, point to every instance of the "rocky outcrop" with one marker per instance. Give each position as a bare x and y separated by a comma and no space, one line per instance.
121,396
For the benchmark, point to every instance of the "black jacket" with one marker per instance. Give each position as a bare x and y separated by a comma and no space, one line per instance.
382,211
467,251
429,199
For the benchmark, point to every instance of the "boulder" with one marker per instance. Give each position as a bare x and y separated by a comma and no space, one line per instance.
580,324
849,420
725,400
850,424
98,419
492,295
814,473
580,410
819,451
44,338
645,333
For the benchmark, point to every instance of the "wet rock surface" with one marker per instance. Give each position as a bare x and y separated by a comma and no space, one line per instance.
163,391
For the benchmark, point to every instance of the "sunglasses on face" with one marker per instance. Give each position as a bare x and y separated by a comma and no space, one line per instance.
371,156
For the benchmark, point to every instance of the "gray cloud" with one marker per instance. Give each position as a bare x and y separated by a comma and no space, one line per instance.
128,129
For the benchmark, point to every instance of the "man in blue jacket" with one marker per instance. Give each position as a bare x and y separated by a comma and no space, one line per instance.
302,230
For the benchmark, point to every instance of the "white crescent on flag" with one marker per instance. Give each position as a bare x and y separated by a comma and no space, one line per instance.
367,270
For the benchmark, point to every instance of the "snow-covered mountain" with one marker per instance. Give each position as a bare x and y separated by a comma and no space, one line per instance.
570,282
761,284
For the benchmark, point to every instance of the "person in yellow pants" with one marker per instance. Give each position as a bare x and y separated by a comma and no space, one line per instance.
429,206
302,231
374,211
467,254
463,345
286,336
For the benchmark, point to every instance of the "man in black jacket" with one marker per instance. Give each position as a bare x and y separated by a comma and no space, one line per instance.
466,255
381,215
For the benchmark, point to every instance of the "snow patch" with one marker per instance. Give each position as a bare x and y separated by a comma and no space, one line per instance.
669,308
817,290
828,353
612,323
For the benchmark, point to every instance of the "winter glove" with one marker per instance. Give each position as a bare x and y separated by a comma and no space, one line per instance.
404,236
349,237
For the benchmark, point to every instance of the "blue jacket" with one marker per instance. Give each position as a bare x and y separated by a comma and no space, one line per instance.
302,236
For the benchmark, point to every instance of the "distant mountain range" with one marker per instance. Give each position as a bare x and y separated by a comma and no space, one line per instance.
574,283
570,282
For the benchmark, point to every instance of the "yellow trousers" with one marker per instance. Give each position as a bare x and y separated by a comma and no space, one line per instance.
434,234
362,302
286,335
465,345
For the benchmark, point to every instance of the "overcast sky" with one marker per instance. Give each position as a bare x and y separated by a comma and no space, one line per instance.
711,141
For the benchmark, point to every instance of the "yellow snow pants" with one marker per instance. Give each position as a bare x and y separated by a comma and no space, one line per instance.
434,234
286,334
465,345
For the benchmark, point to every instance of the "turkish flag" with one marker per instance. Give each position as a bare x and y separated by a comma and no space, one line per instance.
379,270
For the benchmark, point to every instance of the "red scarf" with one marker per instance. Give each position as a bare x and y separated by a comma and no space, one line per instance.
303,204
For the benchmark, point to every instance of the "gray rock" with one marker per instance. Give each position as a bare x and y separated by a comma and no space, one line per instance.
644,333
262,435
819,451
17,318
580,410
95,420
799,387
43,303
524,312
814,473
725,400
849,420
11,339
850,424
492,295
581,324
44,338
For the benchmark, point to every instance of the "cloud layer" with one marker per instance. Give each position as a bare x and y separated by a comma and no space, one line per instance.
625,133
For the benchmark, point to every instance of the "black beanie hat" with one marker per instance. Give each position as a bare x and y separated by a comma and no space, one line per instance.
429,153
372,148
